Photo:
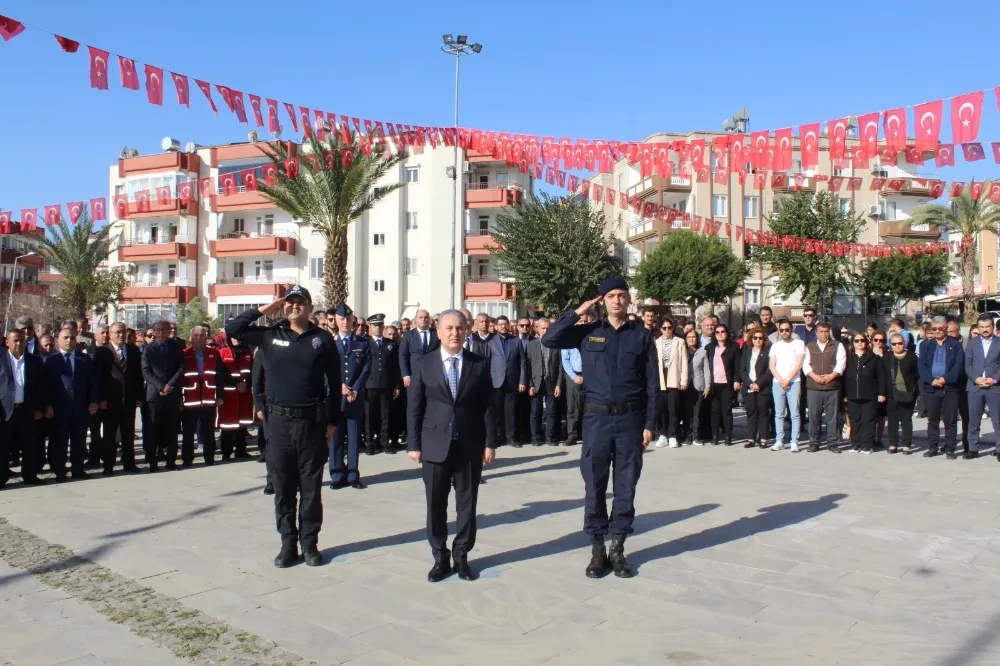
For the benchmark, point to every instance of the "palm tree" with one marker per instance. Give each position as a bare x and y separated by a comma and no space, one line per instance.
968,217
78,256
329,195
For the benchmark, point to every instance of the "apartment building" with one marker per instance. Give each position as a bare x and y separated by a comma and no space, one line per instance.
238,251
22,278
887,213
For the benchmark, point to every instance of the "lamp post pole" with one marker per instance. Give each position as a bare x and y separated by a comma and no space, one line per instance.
10,296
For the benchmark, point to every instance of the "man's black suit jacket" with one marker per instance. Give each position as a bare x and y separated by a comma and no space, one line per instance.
34,384
163,364
432,411
119,386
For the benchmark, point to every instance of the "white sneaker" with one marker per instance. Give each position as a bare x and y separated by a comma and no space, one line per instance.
795,448
698,442
673,443
777,446
661,441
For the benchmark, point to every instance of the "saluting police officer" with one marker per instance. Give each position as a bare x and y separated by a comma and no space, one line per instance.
621,390
383,387
355,366
301,361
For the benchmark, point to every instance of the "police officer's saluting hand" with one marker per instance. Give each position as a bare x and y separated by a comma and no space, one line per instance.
301,362
621,390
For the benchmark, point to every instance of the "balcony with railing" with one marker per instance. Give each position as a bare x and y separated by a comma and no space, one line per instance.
490,286
239,198
169,161
246,151
477,241
495,193
16,252
796,183
28,283
909,186
159,289
652,184
145,204
156,248
906,229
271,285
49,275
242,243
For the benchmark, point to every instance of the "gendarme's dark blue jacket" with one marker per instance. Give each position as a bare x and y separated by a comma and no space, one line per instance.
619,365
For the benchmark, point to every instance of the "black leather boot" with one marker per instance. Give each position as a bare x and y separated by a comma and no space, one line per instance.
599,566
617,557
288,556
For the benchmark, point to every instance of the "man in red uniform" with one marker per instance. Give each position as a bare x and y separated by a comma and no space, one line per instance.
204,378
236,408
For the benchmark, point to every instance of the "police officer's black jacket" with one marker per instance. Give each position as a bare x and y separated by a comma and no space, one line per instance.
384,364
619,365
258,380
299,367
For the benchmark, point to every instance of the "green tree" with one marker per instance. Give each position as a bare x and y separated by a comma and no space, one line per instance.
108,287
193,314
555,249
689,267
77,252
899,277
818,217
969,218
328,195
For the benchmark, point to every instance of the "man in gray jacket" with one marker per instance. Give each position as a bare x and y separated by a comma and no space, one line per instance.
547,385
509,373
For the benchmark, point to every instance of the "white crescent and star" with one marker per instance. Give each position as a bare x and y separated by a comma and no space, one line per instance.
872,136
888,123
972,109
925,116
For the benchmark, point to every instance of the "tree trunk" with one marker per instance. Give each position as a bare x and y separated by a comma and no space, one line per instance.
968,265
335,269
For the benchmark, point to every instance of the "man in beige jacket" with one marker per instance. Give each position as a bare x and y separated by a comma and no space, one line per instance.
673,364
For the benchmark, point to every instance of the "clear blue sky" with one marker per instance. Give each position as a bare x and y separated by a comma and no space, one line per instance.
580,69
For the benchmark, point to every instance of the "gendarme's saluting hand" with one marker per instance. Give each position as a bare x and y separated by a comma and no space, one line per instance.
588,305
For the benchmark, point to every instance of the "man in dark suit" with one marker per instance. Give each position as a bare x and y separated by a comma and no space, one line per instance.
31,346
546,386
163,370
416,342
509,373
122,392
21,407
982,366
383,387
355,367
451,423
71,397
95,452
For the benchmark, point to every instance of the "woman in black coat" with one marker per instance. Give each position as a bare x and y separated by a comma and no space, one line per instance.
901,379
722,356
756,380
864,387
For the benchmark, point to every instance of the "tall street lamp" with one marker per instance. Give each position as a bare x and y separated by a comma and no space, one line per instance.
458,47
10,296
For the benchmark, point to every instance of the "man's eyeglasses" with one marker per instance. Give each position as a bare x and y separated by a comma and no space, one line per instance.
860,341
896,344
523,325
784,330
937,328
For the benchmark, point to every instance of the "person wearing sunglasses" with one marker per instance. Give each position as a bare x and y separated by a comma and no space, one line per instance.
756,379
673,365
786,358
824,368
901,379
880,345
942,360
864,387
723,358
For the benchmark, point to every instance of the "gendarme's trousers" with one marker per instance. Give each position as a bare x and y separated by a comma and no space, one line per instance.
611,440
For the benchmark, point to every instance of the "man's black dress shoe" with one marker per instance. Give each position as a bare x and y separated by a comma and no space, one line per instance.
288,556
337,485
439,572
35,482
313,558
464,571
358,485
269,489
970,455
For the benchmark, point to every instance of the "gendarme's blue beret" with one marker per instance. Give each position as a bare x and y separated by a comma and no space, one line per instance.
343,310
612,283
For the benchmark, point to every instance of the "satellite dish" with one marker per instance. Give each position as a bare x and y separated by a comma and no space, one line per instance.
124,152
168,144
729,124
191,147
132,152
252,136
744,113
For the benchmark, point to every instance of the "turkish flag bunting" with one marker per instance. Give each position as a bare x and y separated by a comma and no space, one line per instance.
957,187
272,115
741,175
779,180
835,184
937,188
291,168
99,209
759,179
206,89
721,175
67,44
239,106
661,212
248,177
306,122
573,183
610,196
291,116
9,28
560,178
720,148
538,171
163,195
597,192
973,152
98,68
809,145
270,172
868,128
782,149
944,155
75,209
966,112
799,181
206,188
648,210
130,78
894,126
632,152
623,200
975,190
758,150
703,174
320,125
580,163
550,176
996,151
837,131
661,157
697,153
227,183
186,192
877,184
142,201
888,156
183,89
345,132
896,184
585,188
52,215
927,118
860,155
120,204
853,184
5,222
914,156
258,117
994,191
736,144
227,95
347,156
29,219
154,85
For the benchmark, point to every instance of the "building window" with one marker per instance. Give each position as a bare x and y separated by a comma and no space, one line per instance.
752,295
265,225
263,270
845,206
238,225
751,206
411,221
315,268
171,273
238,269
621,182
378,286
502,179
378,239
411,174
411,266
887,210
718,205
846,303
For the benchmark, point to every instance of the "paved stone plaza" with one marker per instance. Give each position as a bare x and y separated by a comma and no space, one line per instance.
743,557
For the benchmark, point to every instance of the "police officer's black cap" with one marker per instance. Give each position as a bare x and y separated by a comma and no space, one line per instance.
612,283
378,319
343,310
301,292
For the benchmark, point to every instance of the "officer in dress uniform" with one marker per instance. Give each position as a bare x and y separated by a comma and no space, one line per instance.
383,387
355,366
621,391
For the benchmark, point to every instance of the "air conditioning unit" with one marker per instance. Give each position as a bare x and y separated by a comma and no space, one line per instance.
465,260
465,166
873,210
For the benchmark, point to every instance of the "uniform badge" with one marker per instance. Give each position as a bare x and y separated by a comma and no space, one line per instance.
593,338
317,342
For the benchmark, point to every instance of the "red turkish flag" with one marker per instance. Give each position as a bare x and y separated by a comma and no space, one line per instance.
5,221
860,156
290,110
973,152
291,168
306,122
928,124
272,114
9,28
944,155
248,177
345,132
270,172
99,209
888,156
206,89
120,204
975,190
154,85
183,90
163,195
697,153
29,219
610,196
347,156
741,175
758,150
703,174
914,156
52,215
186,192
722,175
996,151
227,183
966,112
837,131
573,183
759,179
894,126
320,125
239,106
957,187
130,78
142,201
258,117
206,188
648,210
623,200
994,191
736,144
895,184
75,209
809,142
937,188
779,180
835,183
597,192
68,45
868,131
98,68
227,95
580,163
783,149
853,184
877,184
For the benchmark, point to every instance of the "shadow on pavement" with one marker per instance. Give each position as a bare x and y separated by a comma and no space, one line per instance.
77,559
157,525
976,644
413,472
